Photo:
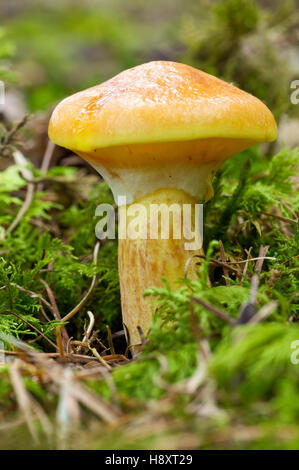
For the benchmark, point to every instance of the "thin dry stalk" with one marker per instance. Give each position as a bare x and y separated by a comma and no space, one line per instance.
264,312
246,264
33,295
141,336
26,204
90,290
202,343
46,161
225,265
52,300
68,410
219,313
56,313
110,339
99,357
86,397
254,288
90,326
187,264
223,259
43,310
116,358
212,261
72,358
249,310
31,326
59,342
282,218
251,259
9,137
23,397
21,160
262,254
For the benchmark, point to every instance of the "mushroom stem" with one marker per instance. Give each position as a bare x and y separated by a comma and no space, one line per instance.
157,235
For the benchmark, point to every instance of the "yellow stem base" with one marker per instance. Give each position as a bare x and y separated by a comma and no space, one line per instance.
143,262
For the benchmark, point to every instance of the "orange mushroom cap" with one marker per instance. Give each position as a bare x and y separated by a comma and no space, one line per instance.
159,102
158,115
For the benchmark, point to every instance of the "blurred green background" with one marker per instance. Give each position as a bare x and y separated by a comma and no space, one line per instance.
49,49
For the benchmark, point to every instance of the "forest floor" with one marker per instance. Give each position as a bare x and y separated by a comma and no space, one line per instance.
219,368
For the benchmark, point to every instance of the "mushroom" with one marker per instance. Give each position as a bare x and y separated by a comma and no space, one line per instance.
157,133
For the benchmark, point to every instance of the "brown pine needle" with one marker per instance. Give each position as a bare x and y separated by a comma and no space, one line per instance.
250,259
280,217
99,357
46,161
262,254
31,326
59,342
55,310
32,295
219,313
226,265
90,326
110,340
21,160
223,259
23,397
90,290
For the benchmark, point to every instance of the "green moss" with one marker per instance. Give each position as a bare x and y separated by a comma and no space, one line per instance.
250,378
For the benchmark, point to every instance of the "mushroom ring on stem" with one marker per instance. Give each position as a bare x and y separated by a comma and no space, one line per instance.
157,133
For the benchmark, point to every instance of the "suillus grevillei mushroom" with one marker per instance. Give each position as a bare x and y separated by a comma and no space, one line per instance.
157,133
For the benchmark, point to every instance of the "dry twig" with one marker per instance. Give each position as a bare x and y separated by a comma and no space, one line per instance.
219,313
262,254
55,311
31,326
90,290
223,259
280,217
21,160
46,161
